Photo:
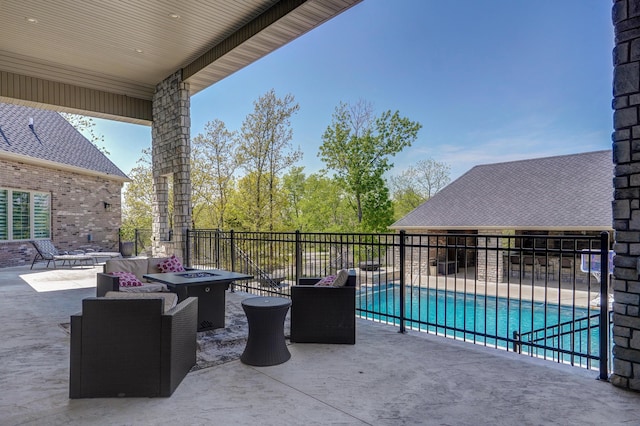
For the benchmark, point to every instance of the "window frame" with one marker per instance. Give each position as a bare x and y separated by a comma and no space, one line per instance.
35,203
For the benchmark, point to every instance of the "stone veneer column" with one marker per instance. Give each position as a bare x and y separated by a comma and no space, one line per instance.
626,205
489,263
171,159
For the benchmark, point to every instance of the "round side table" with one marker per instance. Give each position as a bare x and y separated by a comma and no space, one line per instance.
266,344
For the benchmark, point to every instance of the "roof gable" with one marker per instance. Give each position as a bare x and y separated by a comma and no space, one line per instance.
51,139
563,192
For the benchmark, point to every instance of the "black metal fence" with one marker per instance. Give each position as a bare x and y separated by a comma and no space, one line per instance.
544,296
135,243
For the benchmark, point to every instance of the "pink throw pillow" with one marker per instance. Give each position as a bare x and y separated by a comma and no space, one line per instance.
326,281
127,279
170,264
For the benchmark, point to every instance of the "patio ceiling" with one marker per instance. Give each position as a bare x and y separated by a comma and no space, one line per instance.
104,58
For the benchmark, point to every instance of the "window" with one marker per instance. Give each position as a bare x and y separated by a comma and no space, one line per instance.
24,215
4,212
41,216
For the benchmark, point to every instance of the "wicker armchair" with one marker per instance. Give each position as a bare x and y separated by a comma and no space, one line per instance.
130,347
323,314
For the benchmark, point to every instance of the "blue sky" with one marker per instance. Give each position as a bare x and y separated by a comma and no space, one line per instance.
490,80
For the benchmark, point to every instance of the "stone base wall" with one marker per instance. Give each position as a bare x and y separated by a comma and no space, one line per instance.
77,209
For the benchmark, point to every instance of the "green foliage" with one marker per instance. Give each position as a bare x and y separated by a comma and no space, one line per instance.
214,162
317,204
264,152
138,196
247,180
377,209
357,147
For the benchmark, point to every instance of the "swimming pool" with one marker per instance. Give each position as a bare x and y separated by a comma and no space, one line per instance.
539,329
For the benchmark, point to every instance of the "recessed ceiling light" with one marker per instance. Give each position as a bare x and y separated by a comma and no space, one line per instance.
138,50
31,20
174,16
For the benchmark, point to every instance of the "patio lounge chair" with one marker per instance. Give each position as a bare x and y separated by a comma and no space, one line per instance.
45,250
130,346
323,314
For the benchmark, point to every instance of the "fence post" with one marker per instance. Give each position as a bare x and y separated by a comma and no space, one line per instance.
233,250
187,251
216,248
298,251
516,342
604,306
402,273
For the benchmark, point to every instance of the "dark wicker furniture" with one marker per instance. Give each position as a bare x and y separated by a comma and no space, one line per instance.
266,344
129,347
208,286
323,314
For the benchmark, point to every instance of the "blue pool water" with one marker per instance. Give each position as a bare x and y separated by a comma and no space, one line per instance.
489,320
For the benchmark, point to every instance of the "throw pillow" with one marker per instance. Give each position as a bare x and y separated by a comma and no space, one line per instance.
127,279
341,278
326,281
170,264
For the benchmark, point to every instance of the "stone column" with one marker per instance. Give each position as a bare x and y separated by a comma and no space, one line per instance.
171,165
489,263
626,204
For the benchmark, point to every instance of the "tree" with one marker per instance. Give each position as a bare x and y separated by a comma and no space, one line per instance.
417,184
86,126
138,196
377,209
316,203
214,162
244,212
265,151
358,147
293,186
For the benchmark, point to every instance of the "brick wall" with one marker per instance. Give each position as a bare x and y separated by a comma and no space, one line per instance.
626,205
77,209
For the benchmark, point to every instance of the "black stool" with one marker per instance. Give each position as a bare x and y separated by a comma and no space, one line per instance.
265,344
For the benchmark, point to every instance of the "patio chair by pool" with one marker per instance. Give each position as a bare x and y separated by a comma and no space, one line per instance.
566,269
323,314
546,265
514,265
528,266
45,250
128,345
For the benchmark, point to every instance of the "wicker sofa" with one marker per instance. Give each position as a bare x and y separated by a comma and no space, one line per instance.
138,266
323,314
131,347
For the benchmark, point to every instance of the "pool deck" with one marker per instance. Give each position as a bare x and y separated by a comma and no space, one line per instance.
387,378
553,291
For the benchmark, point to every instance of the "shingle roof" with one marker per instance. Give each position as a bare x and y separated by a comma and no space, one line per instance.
568,192
52,139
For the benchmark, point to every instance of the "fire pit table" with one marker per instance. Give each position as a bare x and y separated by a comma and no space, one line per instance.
208,286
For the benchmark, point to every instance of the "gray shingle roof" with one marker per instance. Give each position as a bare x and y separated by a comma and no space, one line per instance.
52,139
565,192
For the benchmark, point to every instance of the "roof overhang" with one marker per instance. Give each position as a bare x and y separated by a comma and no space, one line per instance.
105,58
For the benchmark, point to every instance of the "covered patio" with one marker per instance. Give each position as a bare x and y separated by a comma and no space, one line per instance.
385,378
112,60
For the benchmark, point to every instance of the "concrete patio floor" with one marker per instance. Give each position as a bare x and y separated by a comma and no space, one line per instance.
387,378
